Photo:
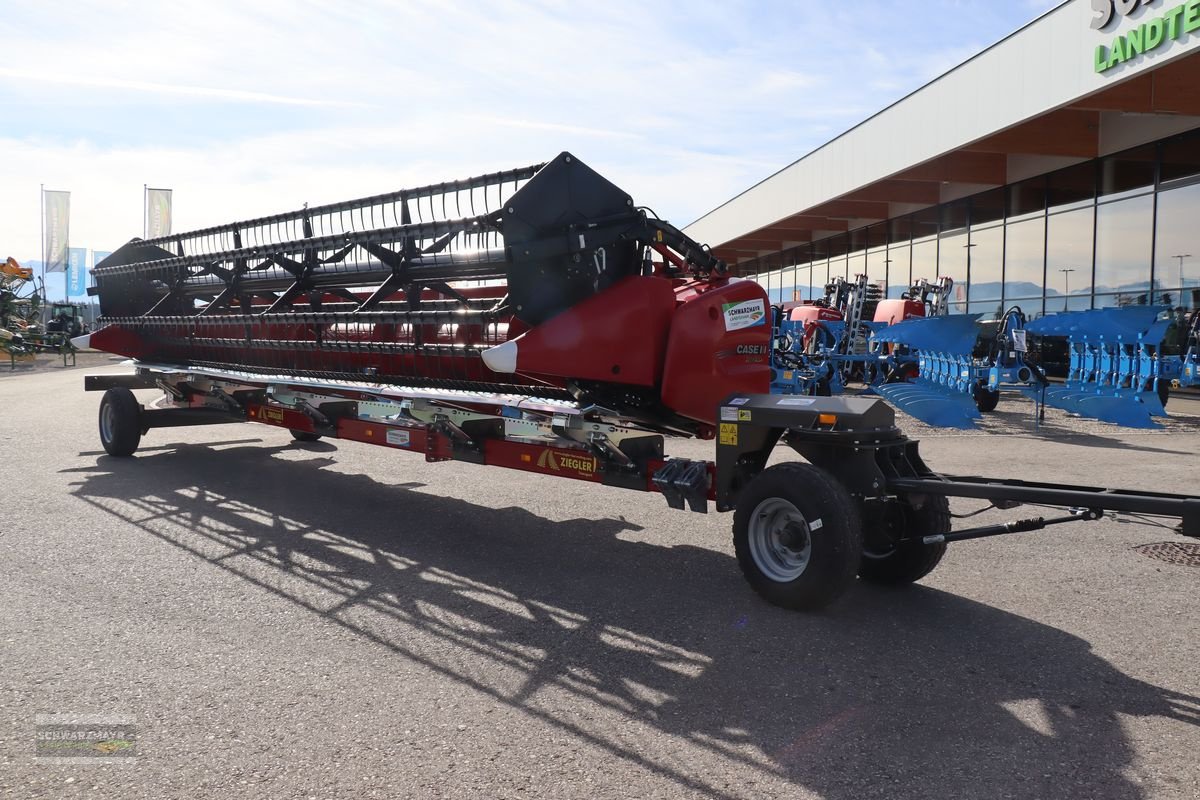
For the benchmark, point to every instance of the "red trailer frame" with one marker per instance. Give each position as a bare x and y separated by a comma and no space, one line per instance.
864,505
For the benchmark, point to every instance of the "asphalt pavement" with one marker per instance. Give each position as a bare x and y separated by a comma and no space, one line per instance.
336,620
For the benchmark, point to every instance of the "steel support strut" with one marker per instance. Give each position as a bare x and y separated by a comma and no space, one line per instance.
1016,526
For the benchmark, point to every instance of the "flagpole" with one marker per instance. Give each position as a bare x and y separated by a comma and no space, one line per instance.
145,193
42,227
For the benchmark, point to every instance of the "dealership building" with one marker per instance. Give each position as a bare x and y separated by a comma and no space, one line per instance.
1058,169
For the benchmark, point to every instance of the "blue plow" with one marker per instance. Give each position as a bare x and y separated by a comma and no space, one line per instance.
942,393
1116,374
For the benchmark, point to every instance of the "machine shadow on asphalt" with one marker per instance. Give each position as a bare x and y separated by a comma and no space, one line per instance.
1022,425
575,626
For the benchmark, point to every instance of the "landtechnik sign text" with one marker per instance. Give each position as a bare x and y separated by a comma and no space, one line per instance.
1172,25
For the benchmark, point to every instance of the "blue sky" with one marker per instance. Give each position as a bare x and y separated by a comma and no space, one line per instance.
247,109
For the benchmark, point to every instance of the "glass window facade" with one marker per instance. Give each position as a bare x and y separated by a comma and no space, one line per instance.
1118,230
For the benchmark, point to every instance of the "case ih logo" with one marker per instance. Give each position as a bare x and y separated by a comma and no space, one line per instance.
753,349
557,463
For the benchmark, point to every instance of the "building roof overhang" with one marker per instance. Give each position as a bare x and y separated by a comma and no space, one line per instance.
1030,104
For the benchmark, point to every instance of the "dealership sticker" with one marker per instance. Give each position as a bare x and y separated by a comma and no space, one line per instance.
748,314
399,438
795,401
739,401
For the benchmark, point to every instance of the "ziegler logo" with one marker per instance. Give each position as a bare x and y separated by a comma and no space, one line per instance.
558,462
270,415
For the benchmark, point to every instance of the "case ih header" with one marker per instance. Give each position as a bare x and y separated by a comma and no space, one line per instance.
537,319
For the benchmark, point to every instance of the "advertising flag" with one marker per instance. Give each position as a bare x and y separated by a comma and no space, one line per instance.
98,256
158,213
76,271
56,213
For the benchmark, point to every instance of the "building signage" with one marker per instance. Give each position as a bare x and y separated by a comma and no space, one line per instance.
1172,25
1109,10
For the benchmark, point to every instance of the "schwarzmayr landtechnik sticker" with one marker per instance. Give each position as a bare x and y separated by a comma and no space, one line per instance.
747,314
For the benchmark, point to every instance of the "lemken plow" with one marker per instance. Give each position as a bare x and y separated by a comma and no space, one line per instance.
925,363
947,371
1117,371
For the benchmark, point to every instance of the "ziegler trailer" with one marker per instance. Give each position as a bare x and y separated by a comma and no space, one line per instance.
536,319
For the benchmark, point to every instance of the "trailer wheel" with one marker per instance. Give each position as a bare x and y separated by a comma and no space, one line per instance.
798,536
986,399
304,436
120,422
887,561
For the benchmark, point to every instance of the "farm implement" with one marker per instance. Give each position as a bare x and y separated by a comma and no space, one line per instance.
20,309
22,334
1118,372
538,320
922,361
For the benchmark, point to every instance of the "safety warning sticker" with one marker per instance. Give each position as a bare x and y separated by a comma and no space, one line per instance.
728,433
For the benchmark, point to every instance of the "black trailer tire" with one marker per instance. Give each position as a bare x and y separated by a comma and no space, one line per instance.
909,561
120,422
986,399
797,534
304,436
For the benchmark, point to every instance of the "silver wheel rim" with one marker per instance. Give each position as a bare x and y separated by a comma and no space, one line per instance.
780,540
107,418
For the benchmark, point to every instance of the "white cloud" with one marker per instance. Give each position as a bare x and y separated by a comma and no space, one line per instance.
98,82
247,109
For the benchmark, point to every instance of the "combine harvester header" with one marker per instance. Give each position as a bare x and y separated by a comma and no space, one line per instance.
538,320
581,296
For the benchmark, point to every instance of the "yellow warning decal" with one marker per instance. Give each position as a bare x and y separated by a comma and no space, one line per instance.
729,433
743,415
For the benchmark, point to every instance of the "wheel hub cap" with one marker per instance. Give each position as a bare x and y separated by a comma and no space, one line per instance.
780,540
